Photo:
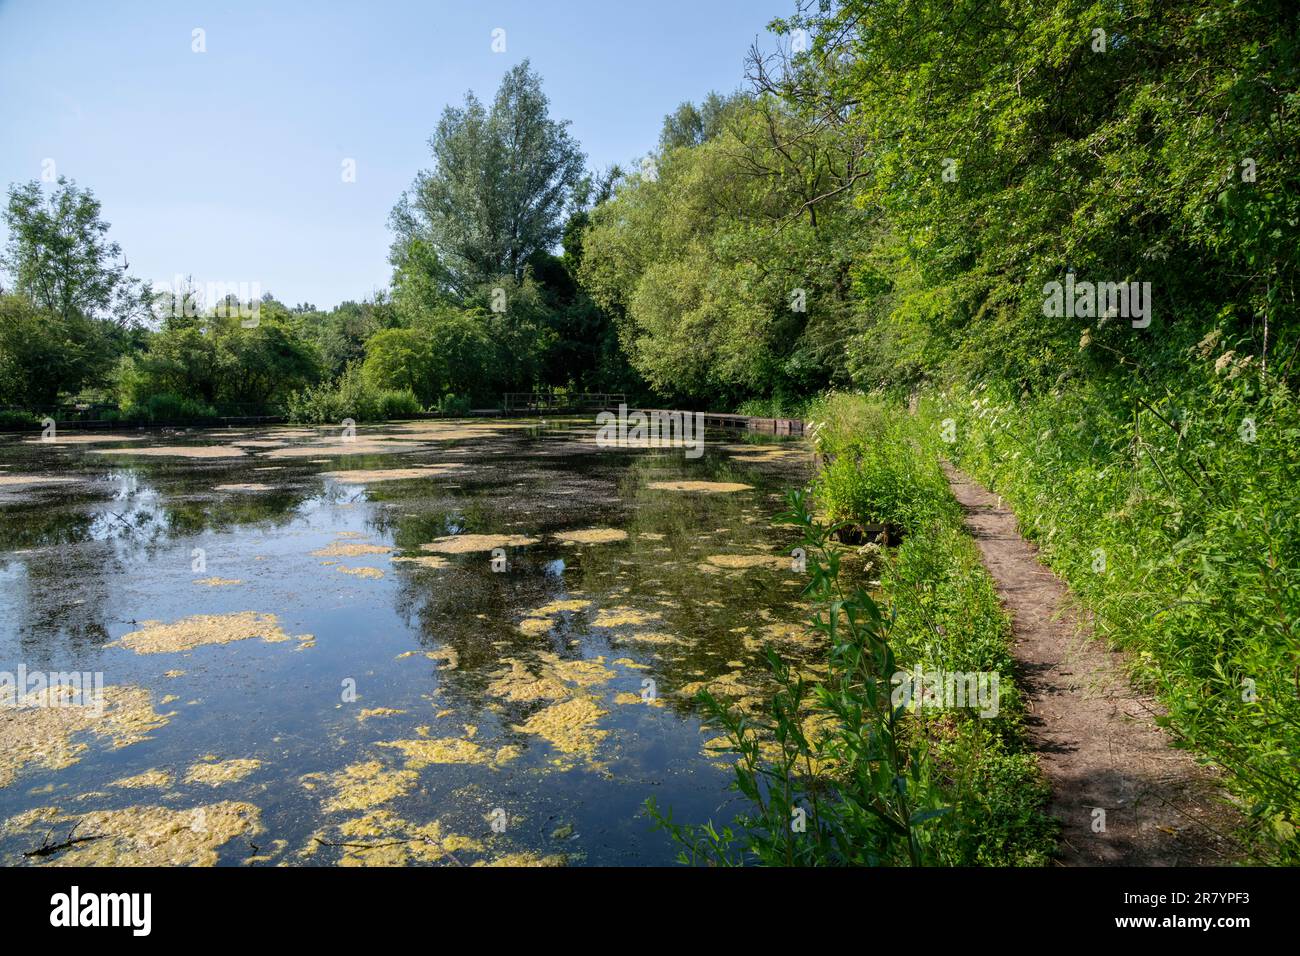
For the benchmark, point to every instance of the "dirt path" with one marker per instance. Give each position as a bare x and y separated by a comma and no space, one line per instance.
1095,737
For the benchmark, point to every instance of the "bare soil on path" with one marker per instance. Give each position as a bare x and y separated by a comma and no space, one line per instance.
1095,736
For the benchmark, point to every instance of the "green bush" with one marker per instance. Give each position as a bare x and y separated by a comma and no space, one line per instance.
780,405
395,403
351,396
167,407
452,405
11,418
877,470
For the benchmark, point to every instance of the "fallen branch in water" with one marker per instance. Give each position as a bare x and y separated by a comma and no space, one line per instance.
47,849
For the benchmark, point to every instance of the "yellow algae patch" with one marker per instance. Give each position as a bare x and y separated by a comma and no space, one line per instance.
361,786
150,778
177,451
203,629
729,685
653,637
425,431
569,726
705,486
369,712
381,838
216,772
556,607
29,818
526,859
744,561
582,673
340,549
365,477
277,847
449,655
372,573
468,543
37,728
627,697
623,617
217,582
174,674
159,836
554,679
651,535
244,486
61,438
763,452
517,683
427,751
784,633
7,480
535,626
539,622
368,446
437,562
591,536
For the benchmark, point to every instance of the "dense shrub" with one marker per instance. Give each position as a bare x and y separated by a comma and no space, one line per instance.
876,470
351,396
11,418
450,404
167,407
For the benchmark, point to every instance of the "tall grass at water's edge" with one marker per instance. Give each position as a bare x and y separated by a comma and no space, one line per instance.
839,771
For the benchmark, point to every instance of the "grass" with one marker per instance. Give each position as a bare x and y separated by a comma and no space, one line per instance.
1174,515
846,770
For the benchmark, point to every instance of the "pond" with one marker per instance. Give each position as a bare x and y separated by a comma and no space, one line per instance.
436,642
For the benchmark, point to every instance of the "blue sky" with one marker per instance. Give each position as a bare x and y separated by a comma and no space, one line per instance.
227,165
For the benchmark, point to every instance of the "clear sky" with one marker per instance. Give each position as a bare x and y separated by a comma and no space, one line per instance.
227,165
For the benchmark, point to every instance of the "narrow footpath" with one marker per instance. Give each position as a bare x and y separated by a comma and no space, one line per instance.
1095,736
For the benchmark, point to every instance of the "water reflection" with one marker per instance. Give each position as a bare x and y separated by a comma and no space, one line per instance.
478,685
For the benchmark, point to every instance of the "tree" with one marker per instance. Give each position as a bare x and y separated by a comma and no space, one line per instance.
59,255
691,125
214,359
723,285
72,305
42,356
501,182
401,359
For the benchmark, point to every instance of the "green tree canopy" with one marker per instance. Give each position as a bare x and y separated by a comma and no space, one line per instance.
497,193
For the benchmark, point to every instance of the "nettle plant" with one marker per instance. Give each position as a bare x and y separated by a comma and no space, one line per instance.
831,772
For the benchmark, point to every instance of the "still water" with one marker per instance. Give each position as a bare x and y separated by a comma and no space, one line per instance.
448,643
